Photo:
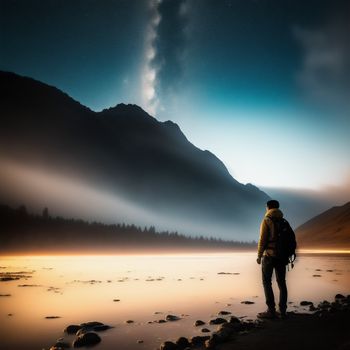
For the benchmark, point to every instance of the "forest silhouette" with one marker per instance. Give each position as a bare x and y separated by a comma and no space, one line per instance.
26,232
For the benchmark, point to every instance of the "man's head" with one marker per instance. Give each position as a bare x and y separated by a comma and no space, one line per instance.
272,204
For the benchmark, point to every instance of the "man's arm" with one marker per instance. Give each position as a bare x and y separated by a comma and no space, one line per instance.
263,239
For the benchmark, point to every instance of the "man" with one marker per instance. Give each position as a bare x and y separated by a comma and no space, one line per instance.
269,258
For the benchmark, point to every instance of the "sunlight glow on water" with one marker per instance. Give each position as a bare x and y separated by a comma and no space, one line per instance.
187,285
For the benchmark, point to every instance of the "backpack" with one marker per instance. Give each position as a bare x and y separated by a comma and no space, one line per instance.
285,240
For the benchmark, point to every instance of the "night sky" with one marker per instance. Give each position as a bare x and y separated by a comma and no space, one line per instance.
262,84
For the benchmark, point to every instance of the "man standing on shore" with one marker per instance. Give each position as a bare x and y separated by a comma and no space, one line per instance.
276,246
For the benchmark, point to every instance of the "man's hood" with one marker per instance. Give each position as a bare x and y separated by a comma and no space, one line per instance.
274,213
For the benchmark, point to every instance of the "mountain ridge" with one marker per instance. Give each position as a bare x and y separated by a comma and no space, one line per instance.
330,229
128,152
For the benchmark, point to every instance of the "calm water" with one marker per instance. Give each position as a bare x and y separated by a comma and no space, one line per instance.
149,288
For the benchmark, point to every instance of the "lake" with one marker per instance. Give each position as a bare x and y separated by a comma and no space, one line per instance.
149,287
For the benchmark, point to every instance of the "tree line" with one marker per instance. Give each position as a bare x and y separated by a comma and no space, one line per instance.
23,231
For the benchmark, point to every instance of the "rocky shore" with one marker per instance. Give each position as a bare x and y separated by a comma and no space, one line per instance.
324,327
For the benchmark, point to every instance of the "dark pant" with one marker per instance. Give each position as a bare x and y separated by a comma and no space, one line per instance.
268,265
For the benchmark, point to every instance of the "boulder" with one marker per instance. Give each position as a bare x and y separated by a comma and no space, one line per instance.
100,328
247,302
91,324
182,343
210,343
306,303
172,318
86,339
339,297
82,331
222,313
205,330
169,345
234,319
217,320
199,339
72,329
62,345
199,323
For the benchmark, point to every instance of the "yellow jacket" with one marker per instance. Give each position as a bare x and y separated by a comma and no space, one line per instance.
266,245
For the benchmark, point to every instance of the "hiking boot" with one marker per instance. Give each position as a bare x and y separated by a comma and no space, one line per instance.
269,314
283,314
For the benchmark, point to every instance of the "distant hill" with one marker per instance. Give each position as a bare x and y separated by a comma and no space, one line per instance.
331,229
127,152
22,232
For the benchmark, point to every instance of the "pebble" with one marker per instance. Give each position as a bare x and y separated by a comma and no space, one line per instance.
217,321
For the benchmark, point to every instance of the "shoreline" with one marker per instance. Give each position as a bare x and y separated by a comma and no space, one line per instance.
298,331
162,252
326,328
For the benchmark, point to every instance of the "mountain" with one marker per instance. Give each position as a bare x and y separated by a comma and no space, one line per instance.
331,229
127,152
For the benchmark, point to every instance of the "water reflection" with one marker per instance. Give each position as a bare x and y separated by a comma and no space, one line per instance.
197,286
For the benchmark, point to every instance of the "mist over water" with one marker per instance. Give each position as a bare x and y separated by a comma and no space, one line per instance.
67,194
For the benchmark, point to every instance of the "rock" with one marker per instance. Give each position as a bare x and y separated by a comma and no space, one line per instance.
316,276
222,313
129,321
182,343
140,341
223,335
205,330
100,328
168,345
116,300
247,302
161,321
217,321
82,331
210,343
91,324
172,318
62,344
52,317
5,295
5,279
306,303
199,323
72,329
324,305
234,319
339,297
86,339
312,308
229,328
199,339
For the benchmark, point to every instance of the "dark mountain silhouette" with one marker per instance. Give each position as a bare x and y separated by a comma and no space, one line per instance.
22,232
331,229
128,152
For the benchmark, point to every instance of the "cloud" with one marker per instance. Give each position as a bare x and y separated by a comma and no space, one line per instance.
325,70
165,48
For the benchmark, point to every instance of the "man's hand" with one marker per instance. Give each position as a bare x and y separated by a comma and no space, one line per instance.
258,260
